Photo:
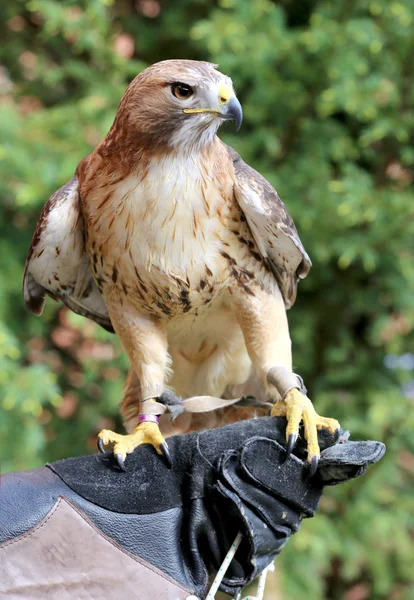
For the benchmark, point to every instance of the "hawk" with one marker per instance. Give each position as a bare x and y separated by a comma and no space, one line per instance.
166,237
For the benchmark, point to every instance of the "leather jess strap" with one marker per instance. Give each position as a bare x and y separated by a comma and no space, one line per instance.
281,378
199,404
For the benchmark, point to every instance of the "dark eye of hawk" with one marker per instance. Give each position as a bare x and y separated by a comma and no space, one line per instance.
182,91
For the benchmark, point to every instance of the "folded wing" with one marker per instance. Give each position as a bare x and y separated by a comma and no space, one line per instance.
273,229
57,264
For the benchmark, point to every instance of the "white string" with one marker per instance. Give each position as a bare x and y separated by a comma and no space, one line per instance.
262,583
224,566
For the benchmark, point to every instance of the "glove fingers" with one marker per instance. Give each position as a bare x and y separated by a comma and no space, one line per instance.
348,460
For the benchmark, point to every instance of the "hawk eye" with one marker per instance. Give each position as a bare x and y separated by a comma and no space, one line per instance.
182,91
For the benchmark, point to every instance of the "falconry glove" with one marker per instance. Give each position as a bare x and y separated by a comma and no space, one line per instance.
82,526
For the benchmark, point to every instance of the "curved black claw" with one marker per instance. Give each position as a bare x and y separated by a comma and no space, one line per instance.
166,454
121,461
100,444
314,465
291,444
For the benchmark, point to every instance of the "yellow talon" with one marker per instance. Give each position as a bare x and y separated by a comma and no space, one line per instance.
145,433
297,407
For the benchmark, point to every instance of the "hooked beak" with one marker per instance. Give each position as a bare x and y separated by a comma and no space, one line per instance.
233,111
229,107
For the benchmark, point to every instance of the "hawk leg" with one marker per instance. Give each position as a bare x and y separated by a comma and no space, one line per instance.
145,341
297,407
263,320
144,433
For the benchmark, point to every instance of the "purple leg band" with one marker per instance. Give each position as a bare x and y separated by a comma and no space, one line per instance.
148,418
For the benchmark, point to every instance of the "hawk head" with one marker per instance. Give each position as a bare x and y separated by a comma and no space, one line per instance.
178,104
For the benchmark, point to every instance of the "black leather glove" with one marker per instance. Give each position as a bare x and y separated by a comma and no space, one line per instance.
89,530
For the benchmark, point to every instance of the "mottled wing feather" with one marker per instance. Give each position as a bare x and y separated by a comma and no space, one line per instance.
273,229
57,264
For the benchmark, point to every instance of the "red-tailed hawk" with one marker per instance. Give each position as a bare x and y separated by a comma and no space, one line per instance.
165,236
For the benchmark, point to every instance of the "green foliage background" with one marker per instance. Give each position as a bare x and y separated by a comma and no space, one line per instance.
328,97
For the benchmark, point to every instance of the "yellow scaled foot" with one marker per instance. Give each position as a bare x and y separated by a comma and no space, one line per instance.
145,433
297,407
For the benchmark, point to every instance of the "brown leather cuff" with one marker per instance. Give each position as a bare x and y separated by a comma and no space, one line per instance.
284,381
